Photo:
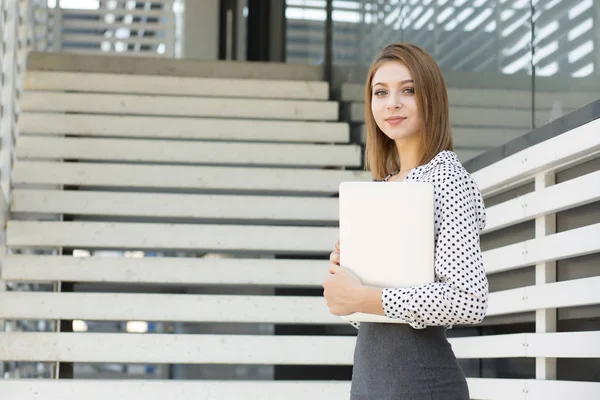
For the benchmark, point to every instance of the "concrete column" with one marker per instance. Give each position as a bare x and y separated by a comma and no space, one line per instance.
266,27
277,31
241,31
201,30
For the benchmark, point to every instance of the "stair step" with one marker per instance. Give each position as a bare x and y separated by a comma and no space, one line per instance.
127,64
161,151
135,389
177,86
265,208
164,270
169,307
184,177
177,348
154,236
179,106
264,349
183,128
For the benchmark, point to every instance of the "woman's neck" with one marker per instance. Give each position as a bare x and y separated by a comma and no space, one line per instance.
409,155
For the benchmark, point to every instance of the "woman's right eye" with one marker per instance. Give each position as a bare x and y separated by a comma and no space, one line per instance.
379,92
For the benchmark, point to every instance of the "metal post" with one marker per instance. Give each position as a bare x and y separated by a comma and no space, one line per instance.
241,32
57,28
597,38
328,59
532,44
171,26
546,319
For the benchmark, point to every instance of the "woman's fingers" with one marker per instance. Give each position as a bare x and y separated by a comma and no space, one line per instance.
334,268
334,257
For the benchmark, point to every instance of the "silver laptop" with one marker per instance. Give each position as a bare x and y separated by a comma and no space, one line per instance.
387,235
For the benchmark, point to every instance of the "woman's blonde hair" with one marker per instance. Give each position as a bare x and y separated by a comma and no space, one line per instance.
381,155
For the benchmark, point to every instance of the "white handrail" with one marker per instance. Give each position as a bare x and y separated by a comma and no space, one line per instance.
550,155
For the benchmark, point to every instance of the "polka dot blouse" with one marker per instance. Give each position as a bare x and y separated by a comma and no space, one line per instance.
459,295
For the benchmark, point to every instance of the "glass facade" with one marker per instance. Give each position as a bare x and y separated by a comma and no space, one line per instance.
495,54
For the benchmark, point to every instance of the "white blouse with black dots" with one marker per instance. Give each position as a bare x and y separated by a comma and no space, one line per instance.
459,295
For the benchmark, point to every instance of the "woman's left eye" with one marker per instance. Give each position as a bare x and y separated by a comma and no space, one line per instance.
410,90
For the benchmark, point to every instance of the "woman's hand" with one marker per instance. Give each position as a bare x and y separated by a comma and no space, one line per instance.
342,287
344,292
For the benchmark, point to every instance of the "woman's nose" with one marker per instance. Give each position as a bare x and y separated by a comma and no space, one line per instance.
393,102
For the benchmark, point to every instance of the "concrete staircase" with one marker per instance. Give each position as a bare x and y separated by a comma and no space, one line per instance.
198,197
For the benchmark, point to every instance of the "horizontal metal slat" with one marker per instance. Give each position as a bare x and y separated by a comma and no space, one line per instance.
102,25
116,12
97,39
572,293
570,194
574,146
558,246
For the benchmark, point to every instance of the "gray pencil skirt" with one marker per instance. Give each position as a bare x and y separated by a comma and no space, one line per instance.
397,362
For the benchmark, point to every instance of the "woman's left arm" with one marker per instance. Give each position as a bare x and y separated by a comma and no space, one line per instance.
460,294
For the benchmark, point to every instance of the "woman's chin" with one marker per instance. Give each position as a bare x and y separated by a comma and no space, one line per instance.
399,135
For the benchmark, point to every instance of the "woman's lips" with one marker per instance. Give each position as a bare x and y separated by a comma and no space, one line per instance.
395,120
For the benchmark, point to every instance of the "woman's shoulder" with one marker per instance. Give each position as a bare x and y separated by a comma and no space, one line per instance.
445,170
454,187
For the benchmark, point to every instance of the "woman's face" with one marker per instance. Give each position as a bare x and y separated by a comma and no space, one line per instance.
393,101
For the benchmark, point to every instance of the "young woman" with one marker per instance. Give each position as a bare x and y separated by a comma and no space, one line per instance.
409,139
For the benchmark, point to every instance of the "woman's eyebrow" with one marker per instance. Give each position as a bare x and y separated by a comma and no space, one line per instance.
402,83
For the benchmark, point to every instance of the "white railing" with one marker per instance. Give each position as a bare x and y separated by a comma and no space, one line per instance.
120,27
13,54
540,164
